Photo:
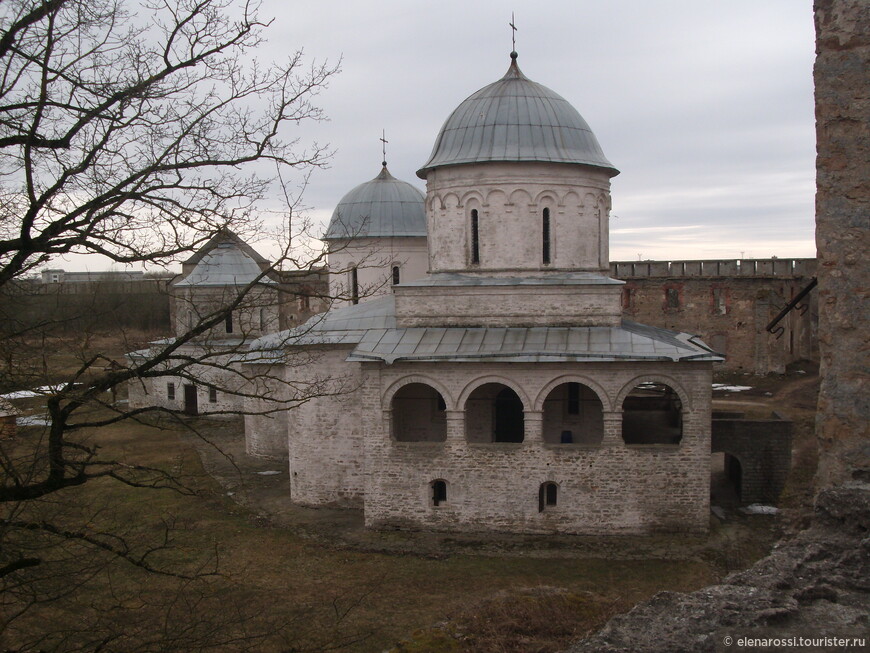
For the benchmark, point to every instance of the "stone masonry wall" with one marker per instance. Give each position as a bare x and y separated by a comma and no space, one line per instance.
729,304
607,488
842,79
510,199
763,448
325,439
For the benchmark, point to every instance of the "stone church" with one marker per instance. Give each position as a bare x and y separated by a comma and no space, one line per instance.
491,382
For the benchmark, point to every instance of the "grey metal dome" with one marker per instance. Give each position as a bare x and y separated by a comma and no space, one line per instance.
516,119
384,206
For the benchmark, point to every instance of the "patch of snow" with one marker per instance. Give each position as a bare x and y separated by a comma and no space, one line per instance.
270,472
759,509
41,391
32,420
731,388
720,514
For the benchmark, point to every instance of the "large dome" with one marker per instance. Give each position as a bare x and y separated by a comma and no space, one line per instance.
516,119
384,206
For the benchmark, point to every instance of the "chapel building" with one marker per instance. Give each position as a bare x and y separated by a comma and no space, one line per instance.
502,390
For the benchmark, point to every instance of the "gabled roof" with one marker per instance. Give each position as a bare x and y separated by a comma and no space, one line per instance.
226,235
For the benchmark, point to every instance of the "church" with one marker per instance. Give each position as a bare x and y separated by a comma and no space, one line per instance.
479,375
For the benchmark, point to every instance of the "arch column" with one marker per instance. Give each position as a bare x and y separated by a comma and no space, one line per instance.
387,424
612,428
455,425
533,423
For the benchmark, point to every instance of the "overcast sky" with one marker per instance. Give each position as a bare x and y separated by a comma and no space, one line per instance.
706,108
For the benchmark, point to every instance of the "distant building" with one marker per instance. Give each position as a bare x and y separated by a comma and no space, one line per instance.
729,303
212,279
58,275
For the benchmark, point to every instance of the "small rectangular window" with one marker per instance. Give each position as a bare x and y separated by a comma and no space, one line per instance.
546,237
395,275
672,297
475,238
212,395
170,391
439,492
354,286
228,323
718,301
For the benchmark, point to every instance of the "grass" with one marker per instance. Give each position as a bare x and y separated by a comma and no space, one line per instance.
280,588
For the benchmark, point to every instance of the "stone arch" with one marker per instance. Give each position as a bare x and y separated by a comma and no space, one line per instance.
472,199
572,378
653,378
653,415
494,411
549,197
726,481
571,199
471,386
520,197
389,393
418,413
572,412
590,201
435,203
450,201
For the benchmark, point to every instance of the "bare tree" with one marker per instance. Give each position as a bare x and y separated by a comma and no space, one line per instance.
137,131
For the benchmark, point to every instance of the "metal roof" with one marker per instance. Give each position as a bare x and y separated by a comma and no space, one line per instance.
384,206
225,265
371,329
516,119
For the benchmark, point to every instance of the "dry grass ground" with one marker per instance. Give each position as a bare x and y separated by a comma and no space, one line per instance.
292,579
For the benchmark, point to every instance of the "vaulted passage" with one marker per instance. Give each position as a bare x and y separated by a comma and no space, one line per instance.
494,413
573,415
652,414
419,414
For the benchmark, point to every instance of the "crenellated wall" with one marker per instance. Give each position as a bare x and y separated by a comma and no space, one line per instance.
729,303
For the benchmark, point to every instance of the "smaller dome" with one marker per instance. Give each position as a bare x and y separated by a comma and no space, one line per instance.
384,206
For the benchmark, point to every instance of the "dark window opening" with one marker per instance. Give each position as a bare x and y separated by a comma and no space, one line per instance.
548,495
417,415
439,492
354,286
546,237
170,391
719,301
508,417
228,323
494,413
652,414
304,302
573,398
212,395
573,414
395,275
672,297
475,237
